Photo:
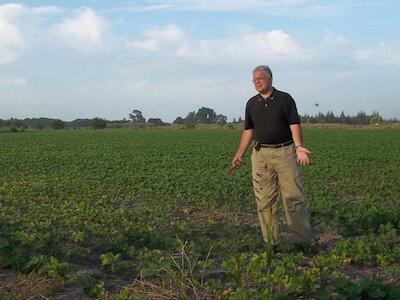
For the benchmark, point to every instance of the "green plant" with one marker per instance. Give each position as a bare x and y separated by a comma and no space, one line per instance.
57,124
187,272
110,261
371,288
54,268
91,287
98,123
75,193
49,266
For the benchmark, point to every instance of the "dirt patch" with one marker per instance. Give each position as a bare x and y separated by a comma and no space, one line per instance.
152,291
197,216
358,272
326,238
247,219
28,287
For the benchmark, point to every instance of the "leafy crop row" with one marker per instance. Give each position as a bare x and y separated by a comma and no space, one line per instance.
157,204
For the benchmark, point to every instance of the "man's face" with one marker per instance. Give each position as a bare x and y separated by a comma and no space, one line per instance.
261,81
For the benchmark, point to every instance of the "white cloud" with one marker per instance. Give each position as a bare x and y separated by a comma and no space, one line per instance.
229,5
84,32
11,40
13,81
156,39
46,10
334,39
305,8
143,8
272,46
382,54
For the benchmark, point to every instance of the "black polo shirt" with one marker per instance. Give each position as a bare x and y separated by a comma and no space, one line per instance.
271,118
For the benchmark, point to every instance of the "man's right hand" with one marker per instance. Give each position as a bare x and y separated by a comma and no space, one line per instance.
244,143
237,162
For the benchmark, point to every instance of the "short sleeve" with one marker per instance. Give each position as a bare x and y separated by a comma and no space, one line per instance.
248,122
291,112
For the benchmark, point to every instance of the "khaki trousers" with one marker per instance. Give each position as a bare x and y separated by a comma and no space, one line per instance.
276,173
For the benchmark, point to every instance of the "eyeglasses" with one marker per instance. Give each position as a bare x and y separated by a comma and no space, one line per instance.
259,79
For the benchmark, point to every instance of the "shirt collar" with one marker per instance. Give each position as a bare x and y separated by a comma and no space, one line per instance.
270,97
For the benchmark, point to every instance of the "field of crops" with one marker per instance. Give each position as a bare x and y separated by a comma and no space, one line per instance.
152,214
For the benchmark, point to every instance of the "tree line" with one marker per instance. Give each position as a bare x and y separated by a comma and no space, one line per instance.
361,118
40,123
204,115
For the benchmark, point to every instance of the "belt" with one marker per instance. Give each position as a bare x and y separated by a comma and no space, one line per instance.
258,145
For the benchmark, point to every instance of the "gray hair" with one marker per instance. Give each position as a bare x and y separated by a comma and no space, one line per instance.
264,68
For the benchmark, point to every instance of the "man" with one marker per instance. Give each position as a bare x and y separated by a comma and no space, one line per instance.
272,122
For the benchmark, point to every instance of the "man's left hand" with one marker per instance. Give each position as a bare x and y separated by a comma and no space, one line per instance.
303,155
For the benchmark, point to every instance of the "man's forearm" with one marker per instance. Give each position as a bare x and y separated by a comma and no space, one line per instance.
297,134
245,140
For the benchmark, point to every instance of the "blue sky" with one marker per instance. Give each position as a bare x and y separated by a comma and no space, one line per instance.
81,59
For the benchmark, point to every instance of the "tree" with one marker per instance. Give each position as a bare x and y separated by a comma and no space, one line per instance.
330,117
375,118
342,118
155,121
190,117
179,120
16,122
97,123
206,115
320,118
361,118
221,119
137,117
37,125
57,124
305,119
190,120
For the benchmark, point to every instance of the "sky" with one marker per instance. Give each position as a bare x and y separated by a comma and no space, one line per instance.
83,59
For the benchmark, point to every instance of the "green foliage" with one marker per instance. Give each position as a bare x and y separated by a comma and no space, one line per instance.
382,248
150,262
190,125
361,118
155,121
125,294
112,263
221,120
137,117
67,196
185,270
204,115
91,287
179,121
98,123
37,125
369,289
54,268
51,267
57,124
